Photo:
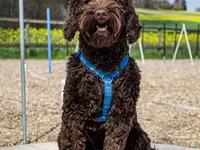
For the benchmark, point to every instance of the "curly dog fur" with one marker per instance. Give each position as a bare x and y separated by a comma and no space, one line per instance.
105,27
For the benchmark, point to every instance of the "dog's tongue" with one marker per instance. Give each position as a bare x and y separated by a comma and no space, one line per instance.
102,28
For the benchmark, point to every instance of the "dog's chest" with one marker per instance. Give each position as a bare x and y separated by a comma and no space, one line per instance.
90,87
91,90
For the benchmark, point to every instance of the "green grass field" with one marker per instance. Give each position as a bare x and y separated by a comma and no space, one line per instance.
35,53
60,53
171,18
154,54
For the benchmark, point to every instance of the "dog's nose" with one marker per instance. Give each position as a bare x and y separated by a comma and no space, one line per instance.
101,14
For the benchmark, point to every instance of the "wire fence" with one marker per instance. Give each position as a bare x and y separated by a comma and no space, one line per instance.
159,38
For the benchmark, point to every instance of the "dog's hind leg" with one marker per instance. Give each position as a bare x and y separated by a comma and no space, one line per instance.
138,139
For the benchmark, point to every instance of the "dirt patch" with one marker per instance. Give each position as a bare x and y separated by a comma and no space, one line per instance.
167,108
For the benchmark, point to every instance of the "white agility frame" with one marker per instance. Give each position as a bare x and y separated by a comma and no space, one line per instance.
77,46
141,50
184,30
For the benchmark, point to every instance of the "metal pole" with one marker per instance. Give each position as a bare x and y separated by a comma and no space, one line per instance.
49,40
143,35
23,92
176,27
164,42
197,47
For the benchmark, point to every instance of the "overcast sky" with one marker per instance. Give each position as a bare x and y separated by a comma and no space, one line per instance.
191,4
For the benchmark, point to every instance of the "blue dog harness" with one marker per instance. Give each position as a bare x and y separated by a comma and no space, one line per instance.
107,79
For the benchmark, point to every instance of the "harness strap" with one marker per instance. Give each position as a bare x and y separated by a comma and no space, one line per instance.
107,79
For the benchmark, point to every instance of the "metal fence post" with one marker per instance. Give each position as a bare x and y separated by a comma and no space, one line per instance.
164,42
175,42
67,50
143,28
27,40
159,40
197,46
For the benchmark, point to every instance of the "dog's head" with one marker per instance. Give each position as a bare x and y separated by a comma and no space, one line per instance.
102,22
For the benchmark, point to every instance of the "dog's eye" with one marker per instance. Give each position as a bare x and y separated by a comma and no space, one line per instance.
122,11
84,1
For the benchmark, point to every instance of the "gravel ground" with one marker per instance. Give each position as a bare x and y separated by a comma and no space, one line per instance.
167,108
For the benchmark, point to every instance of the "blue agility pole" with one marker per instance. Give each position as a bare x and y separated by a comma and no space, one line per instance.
23,92
49,40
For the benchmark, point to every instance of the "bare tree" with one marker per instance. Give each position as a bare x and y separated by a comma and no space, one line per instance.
184,4
197,9
33,8
140,3
178,5
8,8
153,4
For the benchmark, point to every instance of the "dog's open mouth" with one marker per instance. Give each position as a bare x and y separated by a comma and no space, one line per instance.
102,27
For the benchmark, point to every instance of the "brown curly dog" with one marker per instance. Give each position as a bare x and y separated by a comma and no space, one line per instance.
102,83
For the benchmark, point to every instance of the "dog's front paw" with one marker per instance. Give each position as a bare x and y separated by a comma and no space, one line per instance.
110,144
112,147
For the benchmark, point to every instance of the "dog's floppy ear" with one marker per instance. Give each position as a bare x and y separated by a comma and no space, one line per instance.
73,12
133,26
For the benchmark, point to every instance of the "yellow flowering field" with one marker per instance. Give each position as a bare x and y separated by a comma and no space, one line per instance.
152,38
39,36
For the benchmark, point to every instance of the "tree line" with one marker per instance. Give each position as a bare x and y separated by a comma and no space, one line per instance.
162,4
33,9
36,9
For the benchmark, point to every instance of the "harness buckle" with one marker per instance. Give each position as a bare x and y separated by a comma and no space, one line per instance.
107,78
